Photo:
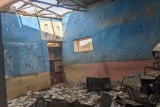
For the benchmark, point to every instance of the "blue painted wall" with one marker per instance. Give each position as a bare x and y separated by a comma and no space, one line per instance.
121,30
24,51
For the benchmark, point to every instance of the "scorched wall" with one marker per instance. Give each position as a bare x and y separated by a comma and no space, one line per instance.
123,32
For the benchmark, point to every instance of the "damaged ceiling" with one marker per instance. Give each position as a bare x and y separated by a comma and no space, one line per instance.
79,5
48,8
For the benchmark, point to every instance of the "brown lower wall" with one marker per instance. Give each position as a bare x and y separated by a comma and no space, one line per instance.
20,85
57,78
115,70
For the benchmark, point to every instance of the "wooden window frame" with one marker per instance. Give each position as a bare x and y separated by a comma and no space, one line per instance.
76,44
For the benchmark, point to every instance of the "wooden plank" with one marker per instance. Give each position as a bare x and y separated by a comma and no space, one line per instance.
53,45
75,43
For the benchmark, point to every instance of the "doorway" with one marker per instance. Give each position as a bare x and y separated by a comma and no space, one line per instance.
55,61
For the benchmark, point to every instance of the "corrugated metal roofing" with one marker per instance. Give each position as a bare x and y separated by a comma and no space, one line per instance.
78,4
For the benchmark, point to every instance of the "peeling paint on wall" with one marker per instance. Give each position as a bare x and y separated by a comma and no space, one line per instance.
121,31
24,50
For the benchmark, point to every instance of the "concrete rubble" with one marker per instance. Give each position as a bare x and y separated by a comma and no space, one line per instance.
66,92
121,95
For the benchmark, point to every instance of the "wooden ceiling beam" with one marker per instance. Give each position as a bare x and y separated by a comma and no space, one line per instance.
25,4
29,14
45,8
27,7
41,8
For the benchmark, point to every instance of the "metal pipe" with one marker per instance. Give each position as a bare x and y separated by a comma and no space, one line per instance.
3,96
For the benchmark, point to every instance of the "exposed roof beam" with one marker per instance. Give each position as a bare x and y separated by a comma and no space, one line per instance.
29,14
21,11
45,8
42,8
42,2
46,14
27,7
53,5
18,12
35,10
25,4
61,7
73,9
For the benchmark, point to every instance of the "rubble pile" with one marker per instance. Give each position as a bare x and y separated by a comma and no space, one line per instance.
135,90
66,92
21,102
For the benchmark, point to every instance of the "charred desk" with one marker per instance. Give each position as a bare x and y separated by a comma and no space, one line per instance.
151,80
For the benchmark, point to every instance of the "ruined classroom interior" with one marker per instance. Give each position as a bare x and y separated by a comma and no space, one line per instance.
80,53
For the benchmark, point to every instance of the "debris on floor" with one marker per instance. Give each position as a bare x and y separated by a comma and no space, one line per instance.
66,92
97,93
98,84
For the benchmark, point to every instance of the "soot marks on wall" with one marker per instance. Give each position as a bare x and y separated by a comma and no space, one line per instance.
25,58
24,50
117,29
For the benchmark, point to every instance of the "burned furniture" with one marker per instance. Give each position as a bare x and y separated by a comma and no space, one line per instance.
134,95
105,100
156,54
120,102
151,84
98,84
42,102
150,81
134,99
151,77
